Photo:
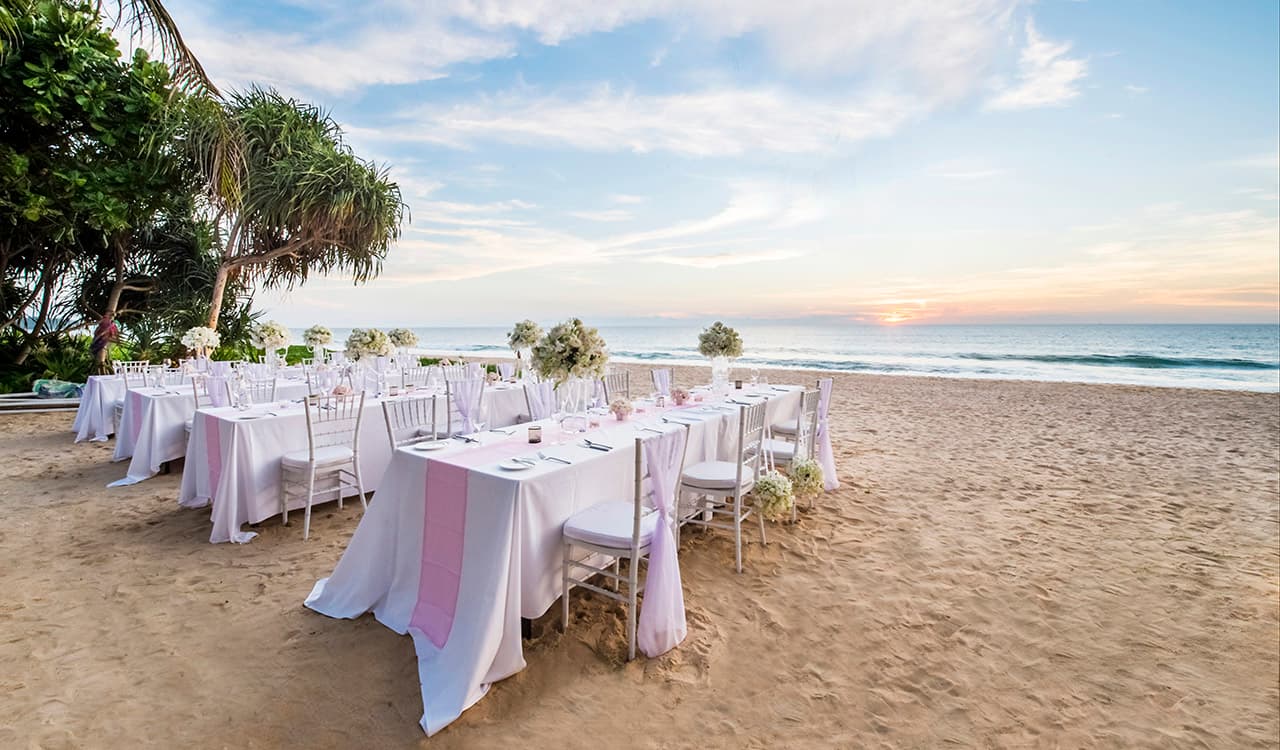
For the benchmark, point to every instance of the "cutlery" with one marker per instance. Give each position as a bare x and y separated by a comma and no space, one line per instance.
465,439
597,446
503,432
526,461
557,459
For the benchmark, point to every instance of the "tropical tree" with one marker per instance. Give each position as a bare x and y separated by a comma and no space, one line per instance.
287,197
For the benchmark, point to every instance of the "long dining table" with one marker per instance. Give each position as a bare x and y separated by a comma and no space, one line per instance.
95,417
462,540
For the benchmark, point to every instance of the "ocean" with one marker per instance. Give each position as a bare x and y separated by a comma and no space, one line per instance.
1228,357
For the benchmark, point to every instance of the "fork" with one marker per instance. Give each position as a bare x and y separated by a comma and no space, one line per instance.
557,459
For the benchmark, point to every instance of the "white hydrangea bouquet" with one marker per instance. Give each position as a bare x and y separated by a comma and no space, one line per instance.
719,340
806,478
571,349
368,342
317,336
270,336
524,335
402,338
774,496
201,340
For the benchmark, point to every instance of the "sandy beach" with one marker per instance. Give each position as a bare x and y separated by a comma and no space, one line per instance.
1007,564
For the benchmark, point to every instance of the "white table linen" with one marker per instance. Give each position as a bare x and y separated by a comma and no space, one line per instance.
454,552
95,417
153,426
233,462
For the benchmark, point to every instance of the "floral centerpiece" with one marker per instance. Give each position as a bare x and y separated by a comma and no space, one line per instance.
317,337
621,408
679,395
368,342
270,337
719,343
521,340
573,355
774,495
402,337
806,478
201,340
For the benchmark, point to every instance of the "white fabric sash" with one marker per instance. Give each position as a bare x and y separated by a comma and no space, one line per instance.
507,370
542,399
466,399
662,381
826,457
217,387
662,623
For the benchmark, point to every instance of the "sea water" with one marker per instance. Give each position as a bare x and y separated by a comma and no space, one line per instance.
1238,357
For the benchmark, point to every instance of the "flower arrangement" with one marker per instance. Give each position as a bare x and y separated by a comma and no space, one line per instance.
525,334
368,342
341,390
270,336
719,340
570,350
774,495
403,337
621,408
317,336
806,477
679,395
200,339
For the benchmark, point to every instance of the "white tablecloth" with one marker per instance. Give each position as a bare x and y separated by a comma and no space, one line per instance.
153,426
239,472
95,416
500,553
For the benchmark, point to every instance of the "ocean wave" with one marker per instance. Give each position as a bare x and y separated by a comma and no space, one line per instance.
1141,361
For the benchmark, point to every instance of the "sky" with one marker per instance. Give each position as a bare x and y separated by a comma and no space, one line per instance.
941,161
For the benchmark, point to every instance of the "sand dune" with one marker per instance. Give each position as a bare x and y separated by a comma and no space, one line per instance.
1007,564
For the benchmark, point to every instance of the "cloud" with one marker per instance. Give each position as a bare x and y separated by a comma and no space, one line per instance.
607,215
1132,89
966,171
719,260
1257,161
1046,76
707,123
625,199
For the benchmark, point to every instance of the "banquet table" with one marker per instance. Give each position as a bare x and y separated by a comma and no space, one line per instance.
95,417
153,426
455,549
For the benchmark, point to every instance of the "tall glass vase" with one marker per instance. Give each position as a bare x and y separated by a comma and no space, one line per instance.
720,373
575,398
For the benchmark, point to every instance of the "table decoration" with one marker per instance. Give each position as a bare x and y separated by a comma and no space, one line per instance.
721,344
679,395
774,495
573,355
201,340
521,339
621,409
316,338
806,478
368,342
270,337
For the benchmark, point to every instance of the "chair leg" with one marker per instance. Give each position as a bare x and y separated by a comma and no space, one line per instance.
284,498
311,491
564,593
737,533
632,609
617,571
360,484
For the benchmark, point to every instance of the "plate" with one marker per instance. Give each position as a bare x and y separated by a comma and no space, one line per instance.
433,445
513,465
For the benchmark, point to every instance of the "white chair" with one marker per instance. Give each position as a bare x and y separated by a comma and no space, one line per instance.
617,529
617,385
410,420
464,404
455,372
134,375
540,400
801,432
200,384
788,429
260,391
506,370
331,462
417,376
661,380
718,487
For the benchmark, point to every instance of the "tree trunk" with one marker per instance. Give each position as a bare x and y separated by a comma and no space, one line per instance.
29,340
219,288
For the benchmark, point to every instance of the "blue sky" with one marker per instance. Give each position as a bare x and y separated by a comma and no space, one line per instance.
960,161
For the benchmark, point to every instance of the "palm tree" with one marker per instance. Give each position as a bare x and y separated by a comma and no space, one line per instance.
288,197
146,21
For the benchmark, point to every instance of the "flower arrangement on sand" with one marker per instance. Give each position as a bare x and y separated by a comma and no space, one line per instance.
719,340
368,342
317,336
200,339
621,408
524,335
270,336
571,349
774,495
403,338
806,478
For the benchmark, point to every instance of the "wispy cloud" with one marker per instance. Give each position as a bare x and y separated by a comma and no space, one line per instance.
606,215
1046,75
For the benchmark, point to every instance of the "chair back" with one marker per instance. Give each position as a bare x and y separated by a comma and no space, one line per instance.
750,440
540,398
464,400
334,420
415,375
321,381
506,370
807,423
647,479
172,377
661,380
133,373
408,417
617,385
455,372
260,390
210,390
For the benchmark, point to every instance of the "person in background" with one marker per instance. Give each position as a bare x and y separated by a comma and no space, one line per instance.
106,334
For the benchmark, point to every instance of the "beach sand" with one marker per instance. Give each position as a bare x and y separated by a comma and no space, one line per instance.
1007,564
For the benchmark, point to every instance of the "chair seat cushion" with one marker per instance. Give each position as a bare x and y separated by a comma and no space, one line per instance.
780,449
609,524
327,456
784,429
715,475
187,425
